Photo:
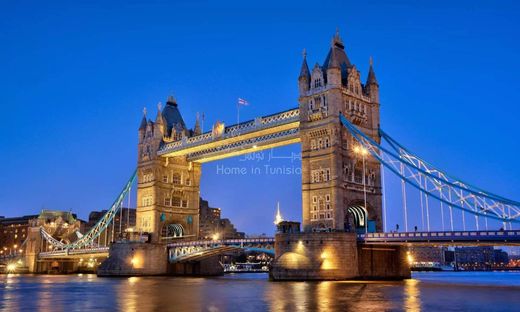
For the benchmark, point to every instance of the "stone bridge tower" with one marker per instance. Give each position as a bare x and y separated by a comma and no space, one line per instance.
332,162
168,187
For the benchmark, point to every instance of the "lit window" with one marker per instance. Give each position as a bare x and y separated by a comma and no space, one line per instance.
147,201
313,144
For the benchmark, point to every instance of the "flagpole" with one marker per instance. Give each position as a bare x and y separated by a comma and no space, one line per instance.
238,115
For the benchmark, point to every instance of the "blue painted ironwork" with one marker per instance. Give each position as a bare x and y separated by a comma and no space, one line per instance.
88,239
454,238
183,251
434,182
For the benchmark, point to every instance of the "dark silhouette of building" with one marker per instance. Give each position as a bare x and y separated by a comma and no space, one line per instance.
212,225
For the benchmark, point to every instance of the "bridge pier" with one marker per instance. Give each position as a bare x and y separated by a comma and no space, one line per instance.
335,256
32,249
134,259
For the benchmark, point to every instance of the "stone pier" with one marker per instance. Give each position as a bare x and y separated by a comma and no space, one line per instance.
335,256
135,259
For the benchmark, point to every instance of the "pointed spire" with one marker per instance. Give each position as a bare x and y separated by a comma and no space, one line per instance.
197,130
336,40
159,119
143,121
304,71
171,101
278,218
333,62
371,79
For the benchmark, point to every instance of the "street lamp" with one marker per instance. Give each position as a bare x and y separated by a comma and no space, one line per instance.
360,150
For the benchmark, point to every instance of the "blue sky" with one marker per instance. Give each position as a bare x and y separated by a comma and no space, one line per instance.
75,77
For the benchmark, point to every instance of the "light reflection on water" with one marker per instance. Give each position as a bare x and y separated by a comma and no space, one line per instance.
253,292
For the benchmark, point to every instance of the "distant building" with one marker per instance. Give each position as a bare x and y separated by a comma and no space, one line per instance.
62,225
428,254
501,257
13,232
211,223
480,258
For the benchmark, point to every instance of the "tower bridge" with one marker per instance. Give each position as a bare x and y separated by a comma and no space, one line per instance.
344,154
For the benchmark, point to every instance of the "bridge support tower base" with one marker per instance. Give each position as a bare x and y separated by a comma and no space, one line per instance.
135,259
335,256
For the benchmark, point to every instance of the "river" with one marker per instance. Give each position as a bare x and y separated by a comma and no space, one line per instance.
428,291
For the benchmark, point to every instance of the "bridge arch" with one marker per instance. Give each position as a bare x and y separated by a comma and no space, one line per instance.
172,230
356,216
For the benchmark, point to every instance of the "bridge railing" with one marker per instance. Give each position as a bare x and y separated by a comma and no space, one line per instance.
252,240
475,236
256,124
74,251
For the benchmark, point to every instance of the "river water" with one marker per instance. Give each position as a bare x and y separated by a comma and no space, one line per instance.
434,291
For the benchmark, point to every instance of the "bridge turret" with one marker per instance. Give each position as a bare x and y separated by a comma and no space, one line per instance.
372,87
333,175
305,76
168,187
333,68
160,123
142,127
196,129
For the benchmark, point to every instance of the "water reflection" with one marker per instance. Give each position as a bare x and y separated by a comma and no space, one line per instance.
251,292
412,295
331,296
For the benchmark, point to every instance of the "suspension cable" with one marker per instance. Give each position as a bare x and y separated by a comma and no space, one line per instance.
403,194
492,203
384,199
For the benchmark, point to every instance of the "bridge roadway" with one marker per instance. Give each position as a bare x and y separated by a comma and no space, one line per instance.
196,250
446,238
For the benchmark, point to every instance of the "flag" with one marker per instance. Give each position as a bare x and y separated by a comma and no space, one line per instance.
242,102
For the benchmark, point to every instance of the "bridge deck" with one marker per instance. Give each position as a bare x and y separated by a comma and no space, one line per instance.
452,238
192,250
75,253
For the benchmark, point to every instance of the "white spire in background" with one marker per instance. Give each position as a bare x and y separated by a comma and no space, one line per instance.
278,217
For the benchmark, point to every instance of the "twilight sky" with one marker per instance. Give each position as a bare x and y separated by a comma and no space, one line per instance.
75,77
